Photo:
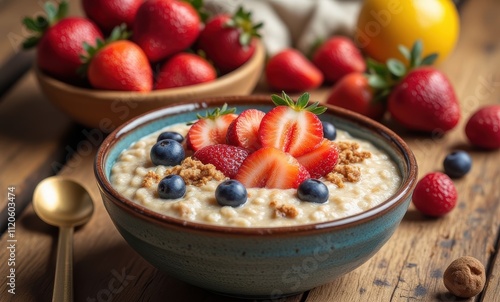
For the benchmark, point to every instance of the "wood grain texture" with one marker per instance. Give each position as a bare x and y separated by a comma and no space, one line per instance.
408,268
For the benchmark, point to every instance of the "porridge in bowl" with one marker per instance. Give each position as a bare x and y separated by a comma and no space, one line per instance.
272,167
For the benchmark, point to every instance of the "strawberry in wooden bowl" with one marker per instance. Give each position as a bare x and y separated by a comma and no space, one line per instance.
134,69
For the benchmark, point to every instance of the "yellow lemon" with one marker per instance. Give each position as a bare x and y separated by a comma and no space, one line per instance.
384,24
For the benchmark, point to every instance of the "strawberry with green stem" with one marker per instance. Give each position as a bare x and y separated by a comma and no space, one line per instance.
292,127
229,41
117,64
423,99
417,95
59,41
211,128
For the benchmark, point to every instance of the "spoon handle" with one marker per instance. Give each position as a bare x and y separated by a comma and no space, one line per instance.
63,282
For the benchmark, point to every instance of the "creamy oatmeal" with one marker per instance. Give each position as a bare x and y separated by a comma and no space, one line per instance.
363,178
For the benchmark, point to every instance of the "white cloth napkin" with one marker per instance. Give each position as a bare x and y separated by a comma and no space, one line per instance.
295,23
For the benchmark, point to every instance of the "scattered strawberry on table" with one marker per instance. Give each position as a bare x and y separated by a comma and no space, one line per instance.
290,70
338,57
483,127
60,60
435,194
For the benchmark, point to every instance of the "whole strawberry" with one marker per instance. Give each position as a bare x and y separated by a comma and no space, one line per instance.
290,70
435,194
59,41
483,127
353,92
338,57
425,101
184,69
118,64
165,27
108,14
229,41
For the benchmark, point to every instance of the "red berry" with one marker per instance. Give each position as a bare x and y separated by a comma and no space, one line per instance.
353,92
290,70
244,130
321,160
292,127
165,27
338,57
225,158
425,101
435,194
271,168
184,69
120,65
210,129
229,41
483,127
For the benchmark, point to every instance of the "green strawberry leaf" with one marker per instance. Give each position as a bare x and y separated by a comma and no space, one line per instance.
429,60
30,42
376,67
62,11
242,20
303,100
377,82
405,52
396,67
416,53
51,11
31,24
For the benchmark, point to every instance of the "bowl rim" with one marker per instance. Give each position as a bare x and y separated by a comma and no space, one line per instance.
143,213
257,58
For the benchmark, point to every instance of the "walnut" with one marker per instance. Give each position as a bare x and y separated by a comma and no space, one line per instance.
465,277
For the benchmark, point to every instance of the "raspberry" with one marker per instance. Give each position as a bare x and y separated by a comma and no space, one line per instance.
435,194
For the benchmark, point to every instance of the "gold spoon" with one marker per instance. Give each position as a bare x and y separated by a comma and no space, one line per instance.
66,204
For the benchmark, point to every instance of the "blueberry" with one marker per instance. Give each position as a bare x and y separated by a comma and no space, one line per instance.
313,190
171,135
457,164
329,131
172,187
231,193
167,152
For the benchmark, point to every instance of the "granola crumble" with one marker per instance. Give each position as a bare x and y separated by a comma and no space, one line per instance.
194,172
345,171
284,210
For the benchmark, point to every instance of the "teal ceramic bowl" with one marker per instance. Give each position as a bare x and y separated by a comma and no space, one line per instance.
254,262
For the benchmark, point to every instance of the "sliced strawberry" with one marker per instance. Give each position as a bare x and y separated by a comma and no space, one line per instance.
210,129
292,127
271,168
321,160
225,158
244,130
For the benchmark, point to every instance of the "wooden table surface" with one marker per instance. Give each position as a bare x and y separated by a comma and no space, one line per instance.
36,141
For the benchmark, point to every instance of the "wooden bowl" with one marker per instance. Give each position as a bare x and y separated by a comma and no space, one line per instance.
108,109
